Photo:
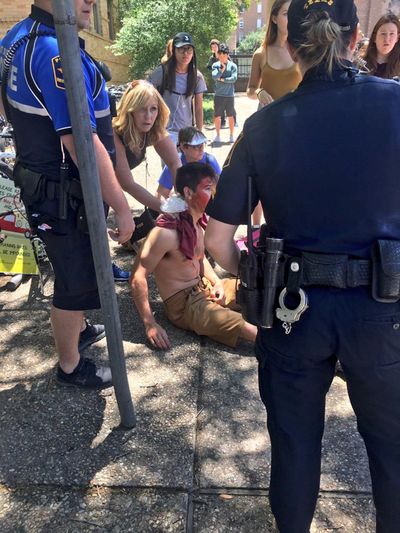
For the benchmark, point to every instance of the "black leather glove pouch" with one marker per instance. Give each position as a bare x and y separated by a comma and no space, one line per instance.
250,291
386,271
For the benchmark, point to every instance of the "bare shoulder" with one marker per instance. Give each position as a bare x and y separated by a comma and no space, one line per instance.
164,143
260,56
162,137
162,238
259,53
159,242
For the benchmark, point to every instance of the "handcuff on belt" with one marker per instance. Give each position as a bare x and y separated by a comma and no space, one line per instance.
286,315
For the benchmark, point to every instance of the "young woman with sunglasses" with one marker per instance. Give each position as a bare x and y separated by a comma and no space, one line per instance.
181,85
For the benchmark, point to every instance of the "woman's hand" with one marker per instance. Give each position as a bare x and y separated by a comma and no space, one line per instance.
264,97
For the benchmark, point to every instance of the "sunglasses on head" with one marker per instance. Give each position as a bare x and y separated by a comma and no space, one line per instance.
195,146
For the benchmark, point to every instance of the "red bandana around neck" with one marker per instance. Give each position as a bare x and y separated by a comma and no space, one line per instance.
184,225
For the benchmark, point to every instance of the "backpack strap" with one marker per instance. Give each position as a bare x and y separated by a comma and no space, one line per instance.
162,87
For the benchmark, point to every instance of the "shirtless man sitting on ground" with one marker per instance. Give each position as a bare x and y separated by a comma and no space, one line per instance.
194,297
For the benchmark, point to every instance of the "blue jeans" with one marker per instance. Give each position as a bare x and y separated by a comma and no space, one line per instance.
295,373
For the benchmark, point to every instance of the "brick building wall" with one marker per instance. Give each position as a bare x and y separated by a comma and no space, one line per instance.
369,12
98,38
252,19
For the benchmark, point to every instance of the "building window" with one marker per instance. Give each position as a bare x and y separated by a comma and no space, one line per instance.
259,7
241,24
97,19
259,23
111,24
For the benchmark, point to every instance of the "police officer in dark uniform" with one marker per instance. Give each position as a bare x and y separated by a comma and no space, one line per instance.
35,101
324,162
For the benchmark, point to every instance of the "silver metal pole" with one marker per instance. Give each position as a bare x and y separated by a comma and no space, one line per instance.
67,37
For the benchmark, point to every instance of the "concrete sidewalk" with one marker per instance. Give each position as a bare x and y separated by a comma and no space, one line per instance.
199,458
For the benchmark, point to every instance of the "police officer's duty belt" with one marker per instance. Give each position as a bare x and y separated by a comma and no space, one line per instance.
328,270
267,267
71,187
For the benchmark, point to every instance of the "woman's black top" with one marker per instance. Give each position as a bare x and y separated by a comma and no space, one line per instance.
133,159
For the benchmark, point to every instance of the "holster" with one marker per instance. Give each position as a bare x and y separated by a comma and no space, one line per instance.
386,271
32,184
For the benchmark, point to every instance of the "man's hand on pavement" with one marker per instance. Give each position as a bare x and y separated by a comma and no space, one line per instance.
158,336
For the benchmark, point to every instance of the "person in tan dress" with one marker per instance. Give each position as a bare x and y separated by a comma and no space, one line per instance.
273,71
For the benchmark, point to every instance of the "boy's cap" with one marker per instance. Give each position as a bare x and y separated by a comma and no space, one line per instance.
197,139
343,12
214,41
223,48
182,39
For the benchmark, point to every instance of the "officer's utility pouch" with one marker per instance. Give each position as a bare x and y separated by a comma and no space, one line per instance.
386,271
250,291
32,184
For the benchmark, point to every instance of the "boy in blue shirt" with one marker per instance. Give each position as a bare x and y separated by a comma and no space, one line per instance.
191,143
224,74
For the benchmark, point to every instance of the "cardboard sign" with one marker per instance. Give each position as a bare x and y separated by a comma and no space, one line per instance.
16,254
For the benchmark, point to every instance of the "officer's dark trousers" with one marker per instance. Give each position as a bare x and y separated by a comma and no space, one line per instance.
295,373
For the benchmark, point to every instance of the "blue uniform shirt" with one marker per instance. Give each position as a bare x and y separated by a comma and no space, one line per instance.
37,97
326,165
166,177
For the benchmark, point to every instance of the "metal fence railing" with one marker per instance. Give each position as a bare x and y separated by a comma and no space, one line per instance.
243,62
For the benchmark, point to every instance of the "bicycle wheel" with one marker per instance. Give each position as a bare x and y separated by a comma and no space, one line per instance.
5,171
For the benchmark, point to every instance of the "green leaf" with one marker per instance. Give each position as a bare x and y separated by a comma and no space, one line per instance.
147,26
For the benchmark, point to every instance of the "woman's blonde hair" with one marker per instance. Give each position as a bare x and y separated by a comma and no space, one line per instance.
325,42
134,98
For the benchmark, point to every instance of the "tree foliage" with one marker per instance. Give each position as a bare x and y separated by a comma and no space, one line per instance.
147,26
252,41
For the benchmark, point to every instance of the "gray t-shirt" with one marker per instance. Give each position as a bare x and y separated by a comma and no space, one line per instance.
180,106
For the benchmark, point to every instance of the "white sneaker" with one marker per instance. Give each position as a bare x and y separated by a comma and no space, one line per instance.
231,139
217,139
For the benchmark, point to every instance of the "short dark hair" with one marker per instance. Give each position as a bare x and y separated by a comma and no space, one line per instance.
185,135
191,174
